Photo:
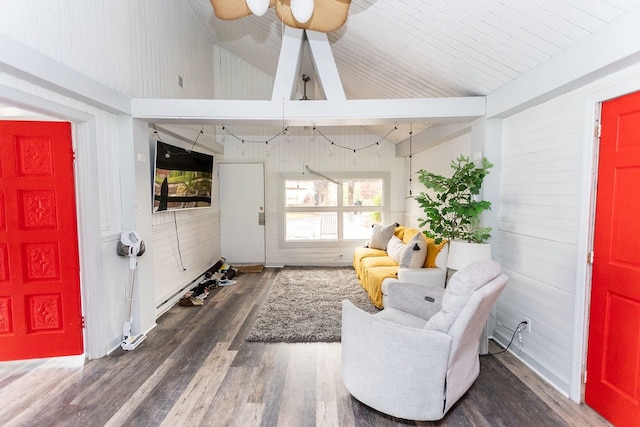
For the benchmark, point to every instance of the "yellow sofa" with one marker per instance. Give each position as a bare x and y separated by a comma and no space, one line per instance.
375,266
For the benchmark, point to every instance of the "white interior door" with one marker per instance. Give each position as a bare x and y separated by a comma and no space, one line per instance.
242,212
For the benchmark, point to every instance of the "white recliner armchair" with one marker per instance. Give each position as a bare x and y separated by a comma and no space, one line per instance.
418,356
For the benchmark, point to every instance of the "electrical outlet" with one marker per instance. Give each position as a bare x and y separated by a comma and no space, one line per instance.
528,327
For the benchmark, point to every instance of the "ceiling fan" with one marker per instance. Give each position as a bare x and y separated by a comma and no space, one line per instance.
324,16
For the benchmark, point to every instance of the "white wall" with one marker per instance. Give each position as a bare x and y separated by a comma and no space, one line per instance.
545,196
137,49
237,79
436,160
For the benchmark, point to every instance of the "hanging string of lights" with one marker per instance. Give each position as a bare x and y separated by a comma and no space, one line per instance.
395,128
282,132
316,130
157,136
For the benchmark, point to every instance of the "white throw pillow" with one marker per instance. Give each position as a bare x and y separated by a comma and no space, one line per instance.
395,248
414,253
381,235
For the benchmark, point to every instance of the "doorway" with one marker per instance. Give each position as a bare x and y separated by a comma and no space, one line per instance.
613,358
242,213
40,310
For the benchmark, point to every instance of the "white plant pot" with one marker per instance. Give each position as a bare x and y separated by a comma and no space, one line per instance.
462,253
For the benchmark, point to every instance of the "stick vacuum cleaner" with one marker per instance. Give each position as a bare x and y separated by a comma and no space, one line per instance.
132,246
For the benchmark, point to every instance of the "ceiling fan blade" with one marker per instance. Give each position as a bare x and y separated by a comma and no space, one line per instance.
233,9
328,15
230,9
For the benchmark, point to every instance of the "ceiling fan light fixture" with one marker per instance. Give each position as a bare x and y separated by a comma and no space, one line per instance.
258,7
302,10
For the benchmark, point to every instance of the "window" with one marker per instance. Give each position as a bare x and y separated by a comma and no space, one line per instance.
319,210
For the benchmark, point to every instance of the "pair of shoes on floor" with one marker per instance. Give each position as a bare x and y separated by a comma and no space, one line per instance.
190,302
203,295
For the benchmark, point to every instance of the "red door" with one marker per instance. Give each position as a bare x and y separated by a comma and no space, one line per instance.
40,312
613,360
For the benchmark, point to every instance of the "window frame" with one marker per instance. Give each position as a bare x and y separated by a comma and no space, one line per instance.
340,208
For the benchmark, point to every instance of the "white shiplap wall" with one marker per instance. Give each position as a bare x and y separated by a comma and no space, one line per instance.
137,49
185,244
542,157
236,79
546,191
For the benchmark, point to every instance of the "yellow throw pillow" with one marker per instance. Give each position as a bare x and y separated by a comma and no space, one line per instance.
409,234
399,232
432,252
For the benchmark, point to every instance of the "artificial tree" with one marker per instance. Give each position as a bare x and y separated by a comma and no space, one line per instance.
450,205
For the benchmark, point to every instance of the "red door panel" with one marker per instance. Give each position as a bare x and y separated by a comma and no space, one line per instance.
40,312
613,359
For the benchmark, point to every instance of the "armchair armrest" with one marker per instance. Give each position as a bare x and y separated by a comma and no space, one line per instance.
415,387
420,300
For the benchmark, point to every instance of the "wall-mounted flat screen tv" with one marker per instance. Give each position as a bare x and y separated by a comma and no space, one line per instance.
183,179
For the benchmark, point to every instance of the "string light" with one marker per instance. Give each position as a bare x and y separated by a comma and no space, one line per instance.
410,157
333,143
196,140
155,132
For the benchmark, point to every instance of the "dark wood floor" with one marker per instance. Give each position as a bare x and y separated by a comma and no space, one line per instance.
195,368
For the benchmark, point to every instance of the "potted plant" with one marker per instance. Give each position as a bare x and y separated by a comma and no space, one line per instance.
450,205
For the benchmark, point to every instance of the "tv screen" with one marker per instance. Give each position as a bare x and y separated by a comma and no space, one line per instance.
183,179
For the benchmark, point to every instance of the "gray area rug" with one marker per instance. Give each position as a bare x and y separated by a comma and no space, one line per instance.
305,305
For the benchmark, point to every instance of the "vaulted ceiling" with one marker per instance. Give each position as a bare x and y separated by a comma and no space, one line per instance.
391,49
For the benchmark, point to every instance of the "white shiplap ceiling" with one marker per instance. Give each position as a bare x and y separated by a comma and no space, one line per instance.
391,49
